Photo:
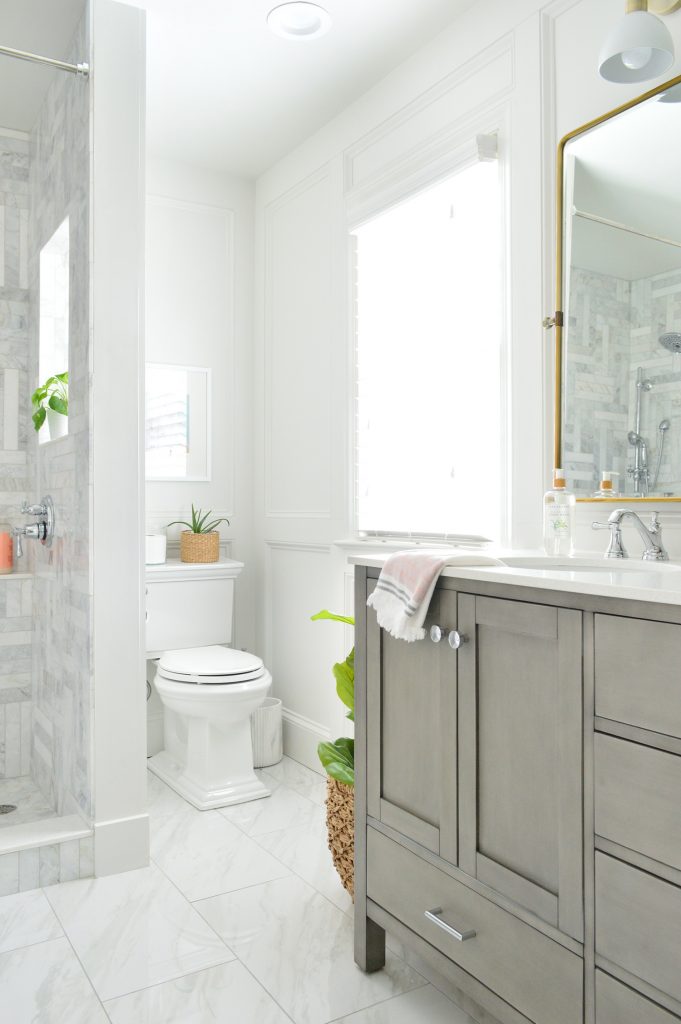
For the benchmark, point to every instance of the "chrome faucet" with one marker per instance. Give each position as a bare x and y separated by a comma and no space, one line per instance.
653,548
43,530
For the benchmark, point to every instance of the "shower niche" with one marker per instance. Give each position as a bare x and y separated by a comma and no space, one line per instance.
619,342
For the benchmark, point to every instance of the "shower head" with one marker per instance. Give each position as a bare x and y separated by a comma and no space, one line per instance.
664,425
671,341
634,438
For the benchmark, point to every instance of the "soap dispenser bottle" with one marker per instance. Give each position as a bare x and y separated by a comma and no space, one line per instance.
559,517
607,487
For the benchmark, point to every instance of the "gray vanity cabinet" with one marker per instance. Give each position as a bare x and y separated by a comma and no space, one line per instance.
518,801
520,755
411,722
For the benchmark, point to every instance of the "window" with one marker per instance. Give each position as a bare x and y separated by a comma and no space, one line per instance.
53,357
430,419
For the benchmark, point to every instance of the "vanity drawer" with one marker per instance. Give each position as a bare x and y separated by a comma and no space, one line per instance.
617,1004
638,923
536,975
638,796
638,673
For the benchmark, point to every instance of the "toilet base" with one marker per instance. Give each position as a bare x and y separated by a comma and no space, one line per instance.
239,791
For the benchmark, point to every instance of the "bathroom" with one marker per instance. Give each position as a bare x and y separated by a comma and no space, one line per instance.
219,199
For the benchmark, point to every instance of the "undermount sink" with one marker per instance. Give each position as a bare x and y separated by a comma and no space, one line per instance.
589,565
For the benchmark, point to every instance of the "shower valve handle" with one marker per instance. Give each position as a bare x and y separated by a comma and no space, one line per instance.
33,510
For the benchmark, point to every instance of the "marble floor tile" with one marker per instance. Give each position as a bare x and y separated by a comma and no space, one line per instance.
422,1006
133,930
25,919
305,851
299,777
30,802
284,808
300,948
162,801
208,855
45,984
227,994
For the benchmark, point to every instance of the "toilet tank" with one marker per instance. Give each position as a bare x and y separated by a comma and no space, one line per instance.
189,605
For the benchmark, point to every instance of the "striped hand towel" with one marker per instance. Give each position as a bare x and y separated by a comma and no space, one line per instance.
406,584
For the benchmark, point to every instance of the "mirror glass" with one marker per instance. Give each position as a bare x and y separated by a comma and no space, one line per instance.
621,284
177,422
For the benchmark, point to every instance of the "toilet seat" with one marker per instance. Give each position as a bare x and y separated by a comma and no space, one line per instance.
212,666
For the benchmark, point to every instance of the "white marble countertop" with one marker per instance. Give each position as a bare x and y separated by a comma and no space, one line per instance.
630,579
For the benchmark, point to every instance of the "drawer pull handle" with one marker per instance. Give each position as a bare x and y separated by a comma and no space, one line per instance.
434,916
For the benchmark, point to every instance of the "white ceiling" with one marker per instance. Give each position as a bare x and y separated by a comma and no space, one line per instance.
224,92
45,27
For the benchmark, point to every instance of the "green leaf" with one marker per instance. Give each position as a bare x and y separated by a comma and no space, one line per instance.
180,522
338,759
58,404
39,395
344,674
63,377
209,527
332,618
39,418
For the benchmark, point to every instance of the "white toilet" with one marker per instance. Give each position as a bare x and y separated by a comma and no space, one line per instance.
208,691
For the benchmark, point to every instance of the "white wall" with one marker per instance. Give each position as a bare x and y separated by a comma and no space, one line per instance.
199,271
530,65
116,359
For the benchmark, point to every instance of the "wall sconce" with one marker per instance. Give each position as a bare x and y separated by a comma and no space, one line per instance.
639,47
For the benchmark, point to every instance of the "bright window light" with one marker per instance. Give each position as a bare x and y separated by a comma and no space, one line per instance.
429,431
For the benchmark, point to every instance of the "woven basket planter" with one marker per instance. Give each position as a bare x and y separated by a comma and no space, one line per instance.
340,823
199,547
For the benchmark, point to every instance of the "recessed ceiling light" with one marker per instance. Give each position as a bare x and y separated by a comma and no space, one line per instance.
299,21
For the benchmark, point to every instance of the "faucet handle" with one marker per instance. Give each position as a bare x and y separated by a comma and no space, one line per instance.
616,548
33,510
655,524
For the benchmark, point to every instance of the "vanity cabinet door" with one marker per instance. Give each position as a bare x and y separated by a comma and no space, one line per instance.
520,755
412,731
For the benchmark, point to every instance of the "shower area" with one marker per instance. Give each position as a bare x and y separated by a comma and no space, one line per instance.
623,375
46,675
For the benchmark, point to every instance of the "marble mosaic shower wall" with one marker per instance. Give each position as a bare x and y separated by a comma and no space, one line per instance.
62,593
613,329
15,594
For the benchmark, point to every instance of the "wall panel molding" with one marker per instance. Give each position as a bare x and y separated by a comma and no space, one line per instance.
274,506
481,81
219,443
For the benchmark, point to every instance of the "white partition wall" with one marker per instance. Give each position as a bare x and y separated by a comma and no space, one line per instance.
121,821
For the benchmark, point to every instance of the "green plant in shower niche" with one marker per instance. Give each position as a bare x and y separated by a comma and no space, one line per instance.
338,758
53,394
200,521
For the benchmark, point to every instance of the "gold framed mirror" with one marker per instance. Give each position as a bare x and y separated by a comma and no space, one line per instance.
618,297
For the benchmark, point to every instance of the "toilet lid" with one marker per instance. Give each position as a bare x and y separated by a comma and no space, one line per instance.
210,665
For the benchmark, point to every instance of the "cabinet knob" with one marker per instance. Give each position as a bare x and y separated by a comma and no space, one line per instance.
436,634
455,639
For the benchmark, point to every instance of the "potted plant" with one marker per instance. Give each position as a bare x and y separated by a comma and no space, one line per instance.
338,759
51,402
200,542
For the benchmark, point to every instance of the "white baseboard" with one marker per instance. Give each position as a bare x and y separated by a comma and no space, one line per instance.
301,737
121,845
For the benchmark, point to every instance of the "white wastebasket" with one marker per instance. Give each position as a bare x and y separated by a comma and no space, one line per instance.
266,732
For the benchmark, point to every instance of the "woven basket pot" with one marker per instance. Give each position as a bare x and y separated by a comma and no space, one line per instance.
199,547
340,823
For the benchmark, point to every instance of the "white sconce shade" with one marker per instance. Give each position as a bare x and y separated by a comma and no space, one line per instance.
638,48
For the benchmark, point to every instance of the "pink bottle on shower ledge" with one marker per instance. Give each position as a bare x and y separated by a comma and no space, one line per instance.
6,551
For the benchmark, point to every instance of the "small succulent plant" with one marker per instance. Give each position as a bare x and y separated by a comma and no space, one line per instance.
201,522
